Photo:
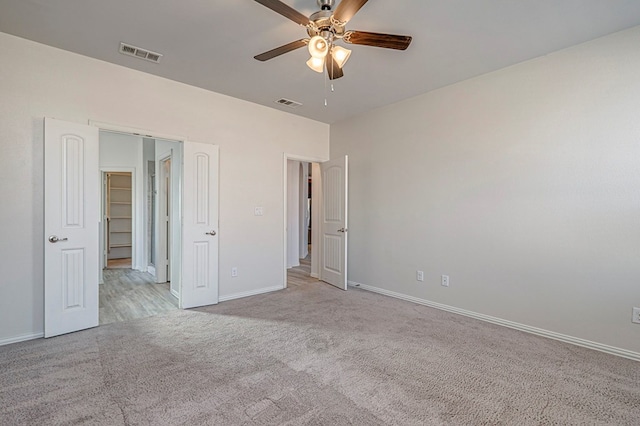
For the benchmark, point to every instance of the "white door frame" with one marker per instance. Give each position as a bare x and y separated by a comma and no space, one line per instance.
135,131
111,127
315,209
163,236
134,212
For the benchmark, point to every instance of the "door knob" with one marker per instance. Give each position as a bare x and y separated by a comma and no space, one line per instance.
342,230
55,239
212,233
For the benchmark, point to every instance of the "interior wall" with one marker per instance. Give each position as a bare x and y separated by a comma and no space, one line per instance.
38,81
119,150
293,213
522,185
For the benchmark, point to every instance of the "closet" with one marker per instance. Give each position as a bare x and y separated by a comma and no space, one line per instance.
119,215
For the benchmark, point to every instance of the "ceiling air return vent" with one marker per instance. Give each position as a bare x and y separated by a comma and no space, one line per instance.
147,55
288,102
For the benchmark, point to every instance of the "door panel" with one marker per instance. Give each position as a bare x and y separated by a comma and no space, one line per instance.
200,226
72,191
333,267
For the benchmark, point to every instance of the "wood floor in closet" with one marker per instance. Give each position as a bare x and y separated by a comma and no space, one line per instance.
127,294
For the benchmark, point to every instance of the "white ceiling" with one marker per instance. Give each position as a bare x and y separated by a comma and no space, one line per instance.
211,43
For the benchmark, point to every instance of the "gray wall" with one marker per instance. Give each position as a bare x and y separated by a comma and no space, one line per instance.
522,185
38,81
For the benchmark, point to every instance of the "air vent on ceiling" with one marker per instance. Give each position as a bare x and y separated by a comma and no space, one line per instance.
127,49
288,102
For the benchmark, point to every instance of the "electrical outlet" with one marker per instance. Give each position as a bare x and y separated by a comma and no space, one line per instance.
419,275
636,315
234,272
445,280
258,211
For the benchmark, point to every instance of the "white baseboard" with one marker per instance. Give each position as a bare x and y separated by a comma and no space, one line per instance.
505,323
174,293
249,293
21,338
151,270
314,275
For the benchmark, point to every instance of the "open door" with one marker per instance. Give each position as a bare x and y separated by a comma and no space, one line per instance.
71,215
333,264
200,226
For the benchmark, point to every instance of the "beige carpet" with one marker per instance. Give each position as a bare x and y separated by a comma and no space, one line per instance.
313,355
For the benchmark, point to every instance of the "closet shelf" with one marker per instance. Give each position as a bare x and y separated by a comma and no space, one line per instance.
119,203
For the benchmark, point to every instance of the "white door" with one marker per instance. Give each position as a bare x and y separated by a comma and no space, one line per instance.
71,212
200,226
333,264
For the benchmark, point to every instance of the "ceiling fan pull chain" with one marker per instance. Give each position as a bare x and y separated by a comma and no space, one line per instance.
325,86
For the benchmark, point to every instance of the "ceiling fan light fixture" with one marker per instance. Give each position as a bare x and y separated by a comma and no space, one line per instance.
316,64
318,47
325,27
340,55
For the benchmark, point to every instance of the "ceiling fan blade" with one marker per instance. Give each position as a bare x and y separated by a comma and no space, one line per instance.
333,69
286,11
387,41
346,9
281,50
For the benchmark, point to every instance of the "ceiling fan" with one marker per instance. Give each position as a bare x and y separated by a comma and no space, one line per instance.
324,28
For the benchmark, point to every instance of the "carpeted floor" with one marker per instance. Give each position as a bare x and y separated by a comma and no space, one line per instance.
312,355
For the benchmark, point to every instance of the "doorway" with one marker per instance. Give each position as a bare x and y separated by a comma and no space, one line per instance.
118,214
130,287
299,217
300,231
326,204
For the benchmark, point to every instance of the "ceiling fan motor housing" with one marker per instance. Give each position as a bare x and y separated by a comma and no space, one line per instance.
320,24
325,4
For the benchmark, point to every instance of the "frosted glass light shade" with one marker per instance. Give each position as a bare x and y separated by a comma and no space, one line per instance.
316,64
318,47
340,55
